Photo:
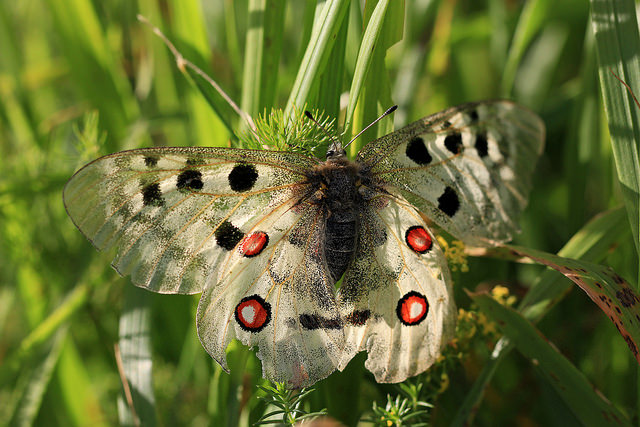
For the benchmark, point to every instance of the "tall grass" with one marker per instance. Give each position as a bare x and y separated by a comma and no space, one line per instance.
79,79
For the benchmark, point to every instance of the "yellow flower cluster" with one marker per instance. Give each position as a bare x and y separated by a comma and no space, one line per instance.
455,254
501,294
470,321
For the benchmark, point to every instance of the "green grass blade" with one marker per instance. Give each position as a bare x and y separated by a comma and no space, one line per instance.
262,55
375,95
607,289
135,352
32,384
592,243
209,128
531,19
222,105
253,58
74,391
618,46
93,67
365,57
157,85
323,37
331,80
43,332
570,384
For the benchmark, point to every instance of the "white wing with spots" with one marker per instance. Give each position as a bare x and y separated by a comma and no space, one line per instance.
281,301
467,168
396,298
175,213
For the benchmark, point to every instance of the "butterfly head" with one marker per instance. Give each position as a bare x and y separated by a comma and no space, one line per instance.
336,151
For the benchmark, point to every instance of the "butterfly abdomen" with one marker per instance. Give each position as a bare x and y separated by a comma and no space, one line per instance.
338,181
340,243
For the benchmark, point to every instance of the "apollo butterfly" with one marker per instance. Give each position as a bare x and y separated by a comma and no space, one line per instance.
266,235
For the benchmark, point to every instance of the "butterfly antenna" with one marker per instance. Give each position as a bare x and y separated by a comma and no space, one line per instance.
326,132
385,114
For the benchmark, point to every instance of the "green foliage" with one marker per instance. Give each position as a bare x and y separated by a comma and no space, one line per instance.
79,79
300,135
402,411
289,404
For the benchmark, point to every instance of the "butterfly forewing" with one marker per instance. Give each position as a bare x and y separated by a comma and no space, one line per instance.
467,168
175,213
396,298
280,300
265,235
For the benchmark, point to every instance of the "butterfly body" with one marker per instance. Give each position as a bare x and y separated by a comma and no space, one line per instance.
338,188
266,235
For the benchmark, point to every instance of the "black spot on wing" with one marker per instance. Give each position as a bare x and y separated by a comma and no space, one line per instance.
453,143
481,144
473,115
315,321
152,195
446,124
417,151
228,235
358,317
448,202
243,176
190,179
151,161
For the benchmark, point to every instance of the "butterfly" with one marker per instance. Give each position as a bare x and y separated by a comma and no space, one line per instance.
265,236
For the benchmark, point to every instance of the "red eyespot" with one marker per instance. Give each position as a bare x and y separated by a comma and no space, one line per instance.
412,308
253,313
254,243
418,239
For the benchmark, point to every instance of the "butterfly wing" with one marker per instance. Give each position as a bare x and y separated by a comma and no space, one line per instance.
467,168
396,296
176,213
232,224
286,305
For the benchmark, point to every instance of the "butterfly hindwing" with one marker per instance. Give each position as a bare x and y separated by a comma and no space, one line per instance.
280,300
175,213
396,297
266,235
467,168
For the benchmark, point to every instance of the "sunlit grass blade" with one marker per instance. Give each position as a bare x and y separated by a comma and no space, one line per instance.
262,55
323,37
253,57
136,404
618,45
135,353
157,83
375,95
365,57
570,384
208,128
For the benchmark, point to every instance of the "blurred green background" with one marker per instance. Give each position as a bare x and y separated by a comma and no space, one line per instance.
81,78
